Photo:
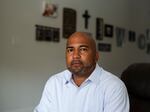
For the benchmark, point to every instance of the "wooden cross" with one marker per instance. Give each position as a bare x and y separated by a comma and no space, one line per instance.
86,16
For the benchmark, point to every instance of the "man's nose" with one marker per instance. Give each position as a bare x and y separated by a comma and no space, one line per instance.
76,54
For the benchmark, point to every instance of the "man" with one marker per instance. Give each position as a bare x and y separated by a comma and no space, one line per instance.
85,86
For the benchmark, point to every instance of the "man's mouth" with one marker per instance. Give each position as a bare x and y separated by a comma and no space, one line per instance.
76,62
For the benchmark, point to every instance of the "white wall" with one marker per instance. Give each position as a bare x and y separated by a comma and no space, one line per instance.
26,64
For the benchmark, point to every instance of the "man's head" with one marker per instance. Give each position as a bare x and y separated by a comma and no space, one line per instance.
81,54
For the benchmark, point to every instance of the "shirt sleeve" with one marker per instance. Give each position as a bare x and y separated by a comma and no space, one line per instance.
47,102
116,98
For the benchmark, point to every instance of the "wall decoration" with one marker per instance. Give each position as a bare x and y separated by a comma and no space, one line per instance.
86,17
148,35
45,33
69,22
55,35
132,36
148,48
99,28
104,47
49,10
120,36
108,30
141,41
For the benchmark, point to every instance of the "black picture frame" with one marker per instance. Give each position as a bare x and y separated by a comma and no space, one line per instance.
108,30
132,36
99,28
69,22
141,41
148,48
104,47
120,36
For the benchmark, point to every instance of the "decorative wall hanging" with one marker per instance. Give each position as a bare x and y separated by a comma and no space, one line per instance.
69,22
45,33
86,17
148,41
108,29
141,41
120,36
148,35
148,48
49,10
132,36
99,28
104,47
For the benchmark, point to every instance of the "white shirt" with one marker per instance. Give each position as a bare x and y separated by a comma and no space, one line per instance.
101,92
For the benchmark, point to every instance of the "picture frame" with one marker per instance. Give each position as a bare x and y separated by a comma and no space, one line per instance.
108,30
120,36
99,28
132,36
69,22
104,47
141,41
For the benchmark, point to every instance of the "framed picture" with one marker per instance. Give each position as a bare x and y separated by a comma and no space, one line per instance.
120,36
69,22
108,30
141,41
104,47
49,10
46,33
99,28
132,36
148,48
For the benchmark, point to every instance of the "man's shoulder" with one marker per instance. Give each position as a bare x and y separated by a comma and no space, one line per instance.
110,79
59,76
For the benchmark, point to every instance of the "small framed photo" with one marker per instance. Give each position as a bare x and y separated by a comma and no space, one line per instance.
141,41
104,47
148,48
69,21
49,10
99,28
132,36
120,36
108,30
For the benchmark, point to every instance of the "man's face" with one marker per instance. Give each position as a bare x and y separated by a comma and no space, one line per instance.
80,55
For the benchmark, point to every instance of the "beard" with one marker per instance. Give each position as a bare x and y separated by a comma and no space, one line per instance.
77,67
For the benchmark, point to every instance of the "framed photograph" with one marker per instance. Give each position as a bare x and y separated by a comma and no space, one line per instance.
108,30
141,41
148,48
99,28
132,36
49,10
104,47
120,36
69,22
46,33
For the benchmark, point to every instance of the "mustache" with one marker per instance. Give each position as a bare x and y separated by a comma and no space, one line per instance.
76,62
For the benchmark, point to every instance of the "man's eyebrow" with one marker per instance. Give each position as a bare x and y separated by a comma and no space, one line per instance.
84,46
79,46
69,47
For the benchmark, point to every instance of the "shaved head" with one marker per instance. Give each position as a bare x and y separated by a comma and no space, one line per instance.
81,54
85,35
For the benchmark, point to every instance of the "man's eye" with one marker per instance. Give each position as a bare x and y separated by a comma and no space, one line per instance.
83,49
69,50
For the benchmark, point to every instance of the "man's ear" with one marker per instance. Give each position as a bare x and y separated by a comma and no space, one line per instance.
97,56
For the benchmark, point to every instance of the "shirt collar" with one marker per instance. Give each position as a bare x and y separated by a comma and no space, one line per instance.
68,77
94,77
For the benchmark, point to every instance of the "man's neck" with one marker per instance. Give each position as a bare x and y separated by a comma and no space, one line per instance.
78,80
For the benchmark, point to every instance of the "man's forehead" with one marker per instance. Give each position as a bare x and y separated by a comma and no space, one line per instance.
78,40
78,45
